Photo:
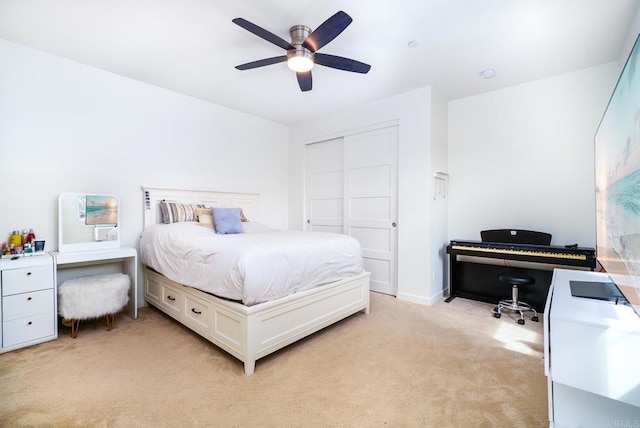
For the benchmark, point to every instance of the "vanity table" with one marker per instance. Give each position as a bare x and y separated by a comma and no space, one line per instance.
89,241
83,263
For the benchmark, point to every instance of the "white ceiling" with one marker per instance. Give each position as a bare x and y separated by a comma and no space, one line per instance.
191,46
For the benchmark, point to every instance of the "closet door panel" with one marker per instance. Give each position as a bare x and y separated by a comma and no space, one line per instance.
373,179
370,209
371,176
324,186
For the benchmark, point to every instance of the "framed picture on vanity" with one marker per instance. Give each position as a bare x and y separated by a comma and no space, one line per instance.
101,210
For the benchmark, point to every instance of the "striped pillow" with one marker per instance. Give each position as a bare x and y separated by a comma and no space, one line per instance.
173,212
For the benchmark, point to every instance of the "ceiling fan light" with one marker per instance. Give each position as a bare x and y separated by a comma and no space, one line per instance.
300,63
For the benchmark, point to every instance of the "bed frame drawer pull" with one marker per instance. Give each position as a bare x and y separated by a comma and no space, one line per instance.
196,312
171,297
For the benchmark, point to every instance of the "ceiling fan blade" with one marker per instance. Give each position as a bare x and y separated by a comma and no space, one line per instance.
261,32
327,31
262,62
341,63
304,80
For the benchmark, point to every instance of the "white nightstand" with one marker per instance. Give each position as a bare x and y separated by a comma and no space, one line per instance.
28,310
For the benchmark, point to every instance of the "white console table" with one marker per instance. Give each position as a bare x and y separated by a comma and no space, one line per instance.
592,357
81,263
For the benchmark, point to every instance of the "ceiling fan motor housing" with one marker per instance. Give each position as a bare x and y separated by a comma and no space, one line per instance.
299,34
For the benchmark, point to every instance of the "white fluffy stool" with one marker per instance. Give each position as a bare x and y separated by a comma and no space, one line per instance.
92,297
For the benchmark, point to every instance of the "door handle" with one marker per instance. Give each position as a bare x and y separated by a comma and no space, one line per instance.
393,224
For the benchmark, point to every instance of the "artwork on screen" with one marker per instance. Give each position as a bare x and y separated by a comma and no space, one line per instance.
101,210
617,156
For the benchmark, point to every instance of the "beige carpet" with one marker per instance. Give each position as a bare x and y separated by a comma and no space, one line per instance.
403,365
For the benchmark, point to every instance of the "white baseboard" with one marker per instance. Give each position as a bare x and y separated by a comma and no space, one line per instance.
421,300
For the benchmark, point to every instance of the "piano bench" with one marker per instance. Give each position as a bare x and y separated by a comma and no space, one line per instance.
514,304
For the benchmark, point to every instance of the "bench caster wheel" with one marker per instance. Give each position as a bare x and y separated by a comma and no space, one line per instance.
521,321
497,315
535,319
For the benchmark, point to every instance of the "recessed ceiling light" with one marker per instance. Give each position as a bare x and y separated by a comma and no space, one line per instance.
412,43
488,73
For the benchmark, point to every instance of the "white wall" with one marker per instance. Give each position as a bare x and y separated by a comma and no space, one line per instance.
634,29
522,157
438,238
413,113
68,127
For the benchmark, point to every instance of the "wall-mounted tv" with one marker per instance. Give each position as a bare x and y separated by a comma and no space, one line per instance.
617,163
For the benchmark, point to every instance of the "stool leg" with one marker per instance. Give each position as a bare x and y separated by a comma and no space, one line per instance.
514,298
111,321
75,326
535,315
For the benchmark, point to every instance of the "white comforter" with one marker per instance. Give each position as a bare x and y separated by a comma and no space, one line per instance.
258,265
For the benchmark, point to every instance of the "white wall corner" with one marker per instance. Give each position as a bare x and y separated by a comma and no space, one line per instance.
420,300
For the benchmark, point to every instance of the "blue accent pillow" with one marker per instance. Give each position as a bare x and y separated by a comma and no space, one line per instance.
226,220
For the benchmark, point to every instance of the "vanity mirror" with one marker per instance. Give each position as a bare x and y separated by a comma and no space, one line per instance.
88,221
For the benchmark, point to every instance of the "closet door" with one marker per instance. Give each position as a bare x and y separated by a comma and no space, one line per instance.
351,188
324,186
371,202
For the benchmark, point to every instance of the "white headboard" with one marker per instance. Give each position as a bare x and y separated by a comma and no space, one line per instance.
154,195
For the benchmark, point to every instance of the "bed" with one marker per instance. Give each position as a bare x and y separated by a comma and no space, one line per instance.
248,328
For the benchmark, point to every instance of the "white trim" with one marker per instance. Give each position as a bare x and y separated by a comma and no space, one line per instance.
354,131
154,195
406,297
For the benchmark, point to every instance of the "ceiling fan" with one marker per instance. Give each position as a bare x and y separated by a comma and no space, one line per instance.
302,51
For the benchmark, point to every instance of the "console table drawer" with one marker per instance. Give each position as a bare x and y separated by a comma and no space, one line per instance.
27,304
15,281
27,329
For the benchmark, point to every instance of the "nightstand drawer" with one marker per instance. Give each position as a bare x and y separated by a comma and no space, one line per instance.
15,281
27,329
27,304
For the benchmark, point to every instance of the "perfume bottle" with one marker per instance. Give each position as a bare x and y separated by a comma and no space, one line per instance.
15,239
